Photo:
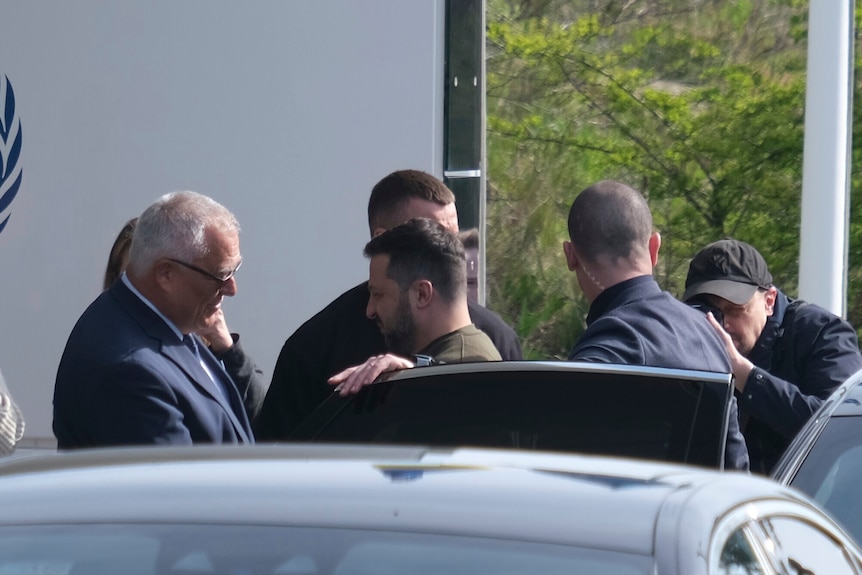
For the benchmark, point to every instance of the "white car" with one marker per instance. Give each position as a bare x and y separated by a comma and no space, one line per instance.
354,510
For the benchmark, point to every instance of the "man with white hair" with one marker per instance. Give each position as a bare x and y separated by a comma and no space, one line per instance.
133,371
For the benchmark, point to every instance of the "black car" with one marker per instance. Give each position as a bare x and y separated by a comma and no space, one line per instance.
643,412
825,458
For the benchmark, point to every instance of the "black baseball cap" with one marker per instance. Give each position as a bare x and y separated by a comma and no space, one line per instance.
729,269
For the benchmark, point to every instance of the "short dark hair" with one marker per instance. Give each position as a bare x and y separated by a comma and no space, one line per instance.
390,196
610,218
423,249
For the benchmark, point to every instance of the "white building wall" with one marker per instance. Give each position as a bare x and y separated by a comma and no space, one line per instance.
287,112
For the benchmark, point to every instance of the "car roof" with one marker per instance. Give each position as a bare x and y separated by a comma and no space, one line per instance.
633,411
596,502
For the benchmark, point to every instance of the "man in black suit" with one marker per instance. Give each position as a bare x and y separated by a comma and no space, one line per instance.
341,335
133,372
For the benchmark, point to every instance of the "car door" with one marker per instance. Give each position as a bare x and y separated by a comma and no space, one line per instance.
648,413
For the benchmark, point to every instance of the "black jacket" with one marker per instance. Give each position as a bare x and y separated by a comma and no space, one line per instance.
636,323
338,337
246,374
803,353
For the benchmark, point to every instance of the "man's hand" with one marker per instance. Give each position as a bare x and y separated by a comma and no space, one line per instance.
739,364
353,379
217,335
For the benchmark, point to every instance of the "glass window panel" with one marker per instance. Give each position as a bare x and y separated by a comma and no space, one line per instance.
632,415
832,470
149,549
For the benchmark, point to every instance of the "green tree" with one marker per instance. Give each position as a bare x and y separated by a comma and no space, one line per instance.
697,104
854,273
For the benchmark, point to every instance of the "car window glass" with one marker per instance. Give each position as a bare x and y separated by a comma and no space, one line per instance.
425,559
58,551
832,470
189,549
738,557
841,493
806,550
661,418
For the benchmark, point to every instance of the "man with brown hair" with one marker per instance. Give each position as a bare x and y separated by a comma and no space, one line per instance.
341,335
418,286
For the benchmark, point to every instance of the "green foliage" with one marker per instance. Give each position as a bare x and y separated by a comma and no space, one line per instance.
697,104
854,275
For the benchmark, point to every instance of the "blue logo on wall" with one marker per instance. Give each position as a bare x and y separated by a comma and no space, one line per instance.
10,150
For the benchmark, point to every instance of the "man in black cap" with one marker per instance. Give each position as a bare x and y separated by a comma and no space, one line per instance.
787,355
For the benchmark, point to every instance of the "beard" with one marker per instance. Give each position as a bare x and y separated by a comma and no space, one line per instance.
400,337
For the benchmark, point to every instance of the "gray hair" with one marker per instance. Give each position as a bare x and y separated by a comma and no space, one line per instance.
174,226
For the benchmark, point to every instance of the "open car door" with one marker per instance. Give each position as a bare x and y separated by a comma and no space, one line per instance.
632,411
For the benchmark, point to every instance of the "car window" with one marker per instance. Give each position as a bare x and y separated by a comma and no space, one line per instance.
632,415
425,559
188,549
804,549
738,557
69,551
841,493
832,470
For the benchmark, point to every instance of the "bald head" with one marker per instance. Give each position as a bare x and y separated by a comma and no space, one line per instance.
610,220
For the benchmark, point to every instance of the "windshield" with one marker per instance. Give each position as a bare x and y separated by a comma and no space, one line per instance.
250,550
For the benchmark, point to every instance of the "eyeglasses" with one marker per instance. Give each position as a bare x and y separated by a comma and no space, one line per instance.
218,280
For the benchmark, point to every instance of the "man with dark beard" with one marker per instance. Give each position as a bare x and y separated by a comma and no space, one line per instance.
418,287
340,335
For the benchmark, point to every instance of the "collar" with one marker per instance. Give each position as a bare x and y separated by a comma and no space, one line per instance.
619,294
762,352
150,305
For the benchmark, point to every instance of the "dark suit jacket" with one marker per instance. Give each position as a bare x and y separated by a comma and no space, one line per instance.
636,323
126,379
